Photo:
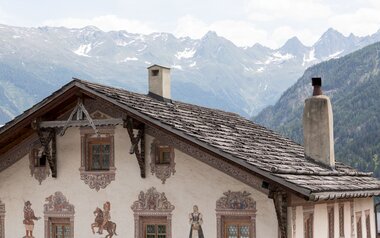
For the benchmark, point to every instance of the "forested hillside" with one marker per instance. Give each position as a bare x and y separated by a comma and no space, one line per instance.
353,83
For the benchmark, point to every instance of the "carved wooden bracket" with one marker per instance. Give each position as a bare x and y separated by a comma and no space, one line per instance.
280,200
47,137
140,137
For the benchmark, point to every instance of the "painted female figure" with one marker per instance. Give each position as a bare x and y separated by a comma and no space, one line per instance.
28,219
196,221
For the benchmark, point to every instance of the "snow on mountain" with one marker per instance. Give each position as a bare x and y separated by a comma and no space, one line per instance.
83,50
211,71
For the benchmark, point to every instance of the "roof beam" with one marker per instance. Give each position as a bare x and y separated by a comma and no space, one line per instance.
81,123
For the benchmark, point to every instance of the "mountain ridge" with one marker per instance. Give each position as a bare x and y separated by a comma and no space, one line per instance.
211,71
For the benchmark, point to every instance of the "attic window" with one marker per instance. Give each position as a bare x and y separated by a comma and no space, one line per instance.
40,161
162,160
155,72
164,156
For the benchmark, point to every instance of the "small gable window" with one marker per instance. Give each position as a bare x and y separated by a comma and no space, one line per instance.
162,160
155,72
164,156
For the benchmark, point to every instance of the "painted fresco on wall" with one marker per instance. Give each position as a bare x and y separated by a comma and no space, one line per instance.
196,221
29,219
103,221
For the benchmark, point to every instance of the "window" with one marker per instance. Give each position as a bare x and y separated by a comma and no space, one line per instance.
99,154
39,158
97,157
155,229
164,156
60,228
237,229
38,164
308,222
330,218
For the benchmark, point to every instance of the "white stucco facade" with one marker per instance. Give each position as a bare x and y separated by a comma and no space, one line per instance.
194,183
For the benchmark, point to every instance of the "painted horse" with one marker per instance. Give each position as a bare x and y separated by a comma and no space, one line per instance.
110,226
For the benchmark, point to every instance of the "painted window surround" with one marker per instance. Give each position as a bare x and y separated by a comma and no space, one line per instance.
58,208
150,205
97,179
40,173
234,206
162,171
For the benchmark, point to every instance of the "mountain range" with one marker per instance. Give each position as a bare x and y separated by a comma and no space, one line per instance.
353,84
210,71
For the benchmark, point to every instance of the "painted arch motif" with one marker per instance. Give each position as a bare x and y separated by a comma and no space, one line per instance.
233,206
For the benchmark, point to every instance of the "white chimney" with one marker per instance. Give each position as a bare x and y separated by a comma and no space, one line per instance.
159,82
318,126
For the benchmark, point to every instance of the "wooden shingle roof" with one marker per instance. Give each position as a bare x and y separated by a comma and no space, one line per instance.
257,148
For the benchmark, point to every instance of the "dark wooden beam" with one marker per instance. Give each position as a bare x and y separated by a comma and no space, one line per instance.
81,123
135,140
47,138
280,200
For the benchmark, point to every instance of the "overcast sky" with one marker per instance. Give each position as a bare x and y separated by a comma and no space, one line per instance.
245,22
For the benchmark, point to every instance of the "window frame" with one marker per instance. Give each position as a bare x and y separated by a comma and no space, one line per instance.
239,221
89,160
156,221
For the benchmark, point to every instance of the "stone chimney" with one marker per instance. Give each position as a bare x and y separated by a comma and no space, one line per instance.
159,82
318,126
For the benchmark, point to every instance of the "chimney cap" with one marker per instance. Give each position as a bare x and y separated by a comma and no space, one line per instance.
316,81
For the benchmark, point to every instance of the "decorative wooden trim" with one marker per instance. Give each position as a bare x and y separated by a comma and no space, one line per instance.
149,205
352,219
58,206
2,220
367,223
294,221
280,200
341,220
308,217
97,179
235,204
140,156
18,152
39,173
330,218
217,163
162,171
359,224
